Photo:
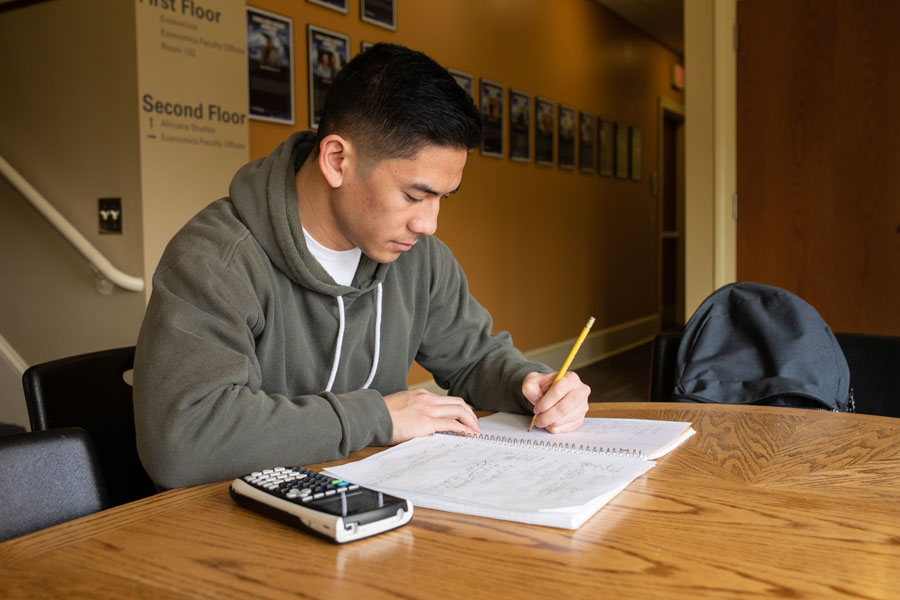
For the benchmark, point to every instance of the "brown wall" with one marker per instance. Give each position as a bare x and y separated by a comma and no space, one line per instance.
818,156
543,248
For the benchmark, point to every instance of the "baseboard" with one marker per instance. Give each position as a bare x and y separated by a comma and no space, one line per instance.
597,346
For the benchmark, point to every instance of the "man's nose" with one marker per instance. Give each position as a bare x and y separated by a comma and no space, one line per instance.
424,222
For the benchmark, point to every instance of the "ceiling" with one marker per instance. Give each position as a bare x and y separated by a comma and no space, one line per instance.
662,20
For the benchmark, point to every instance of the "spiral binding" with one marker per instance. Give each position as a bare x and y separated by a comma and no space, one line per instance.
503,440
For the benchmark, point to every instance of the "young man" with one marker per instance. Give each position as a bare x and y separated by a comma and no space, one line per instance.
284,318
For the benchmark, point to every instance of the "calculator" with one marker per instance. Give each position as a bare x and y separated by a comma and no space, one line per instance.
330,507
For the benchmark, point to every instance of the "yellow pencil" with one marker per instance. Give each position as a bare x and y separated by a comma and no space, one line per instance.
571,356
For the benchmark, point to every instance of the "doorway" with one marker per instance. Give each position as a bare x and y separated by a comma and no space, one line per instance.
671,212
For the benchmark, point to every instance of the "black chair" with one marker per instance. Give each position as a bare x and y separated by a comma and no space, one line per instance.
874,362
89,391
46,478
662,367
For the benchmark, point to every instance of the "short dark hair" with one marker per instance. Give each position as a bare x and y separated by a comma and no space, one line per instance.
391,101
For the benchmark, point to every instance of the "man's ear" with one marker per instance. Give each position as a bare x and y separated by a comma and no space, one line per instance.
336,156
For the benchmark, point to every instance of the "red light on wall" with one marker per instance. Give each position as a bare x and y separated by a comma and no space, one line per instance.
678,77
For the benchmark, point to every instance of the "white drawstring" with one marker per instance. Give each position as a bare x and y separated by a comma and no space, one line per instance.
340,341
337,347
377,338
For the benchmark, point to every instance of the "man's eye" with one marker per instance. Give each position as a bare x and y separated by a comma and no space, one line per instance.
413,198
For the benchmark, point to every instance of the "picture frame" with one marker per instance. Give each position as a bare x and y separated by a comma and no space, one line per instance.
379,12
465,81
636,143
270,66
519,125
606,147
327,53
587,135
544,126
566,137
622,151
491,94
363,46
338,5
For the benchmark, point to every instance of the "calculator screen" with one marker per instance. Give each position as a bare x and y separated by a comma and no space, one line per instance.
363,506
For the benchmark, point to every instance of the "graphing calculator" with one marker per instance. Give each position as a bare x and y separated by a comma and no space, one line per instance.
330,507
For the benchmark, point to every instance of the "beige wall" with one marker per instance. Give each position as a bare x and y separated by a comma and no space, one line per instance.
710,145
180,178
67,124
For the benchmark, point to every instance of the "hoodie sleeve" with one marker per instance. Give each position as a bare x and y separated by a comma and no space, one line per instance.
461,351
201,411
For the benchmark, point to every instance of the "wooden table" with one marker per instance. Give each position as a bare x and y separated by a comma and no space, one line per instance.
761,503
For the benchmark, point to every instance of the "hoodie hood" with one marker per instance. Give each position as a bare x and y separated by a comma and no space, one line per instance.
264,193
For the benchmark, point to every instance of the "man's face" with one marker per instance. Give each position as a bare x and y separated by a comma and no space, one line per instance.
385,208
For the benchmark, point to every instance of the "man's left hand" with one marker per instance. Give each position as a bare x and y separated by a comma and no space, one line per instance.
559,407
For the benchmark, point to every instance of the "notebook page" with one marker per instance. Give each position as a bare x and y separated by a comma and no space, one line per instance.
653,438
476,473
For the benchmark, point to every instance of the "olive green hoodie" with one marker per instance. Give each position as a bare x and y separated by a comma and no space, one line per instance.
251,356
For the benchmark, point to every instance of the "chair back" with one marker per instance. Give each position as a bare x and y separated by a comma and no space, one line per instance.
874,362
874,372
89,391
47,477
662,370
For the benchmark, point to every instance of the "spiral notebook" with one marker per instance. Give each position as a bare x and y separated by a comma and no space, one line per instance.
512,474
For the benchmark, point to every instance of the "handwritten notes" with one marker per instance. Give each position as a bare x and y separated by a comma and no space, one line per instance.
540,484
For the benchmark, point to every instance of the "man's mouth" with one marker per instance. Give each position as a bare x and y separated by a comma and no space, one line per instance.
404,246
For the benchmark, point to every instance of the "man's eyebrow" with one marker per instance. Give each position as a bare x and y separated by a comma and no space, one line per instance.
427,190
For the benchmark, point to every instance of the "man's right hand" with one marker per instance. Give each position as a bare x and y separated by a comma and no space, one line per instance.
418,413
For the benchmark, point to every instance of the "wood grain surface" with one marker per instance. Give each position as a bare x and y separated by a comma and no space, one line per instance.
761,503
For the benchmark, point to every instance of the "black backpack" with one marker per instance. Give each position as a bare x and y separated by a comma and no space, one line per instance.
750,343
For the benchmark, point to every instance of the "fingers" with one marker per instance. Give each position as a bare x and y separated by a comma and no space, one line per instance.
457,412
563,406
419,412
535,385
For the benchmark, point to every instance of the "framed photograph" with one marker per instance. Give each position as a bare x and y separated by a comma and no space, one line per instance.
622,151
544,124
379,12
328,52
465,81
587,134
492,113
566,137
519,126
363,46
338,5
606,146
636,151
270,64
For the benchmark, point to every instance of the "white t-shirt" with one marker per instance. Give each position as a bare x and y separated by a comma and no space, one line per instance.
340,264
